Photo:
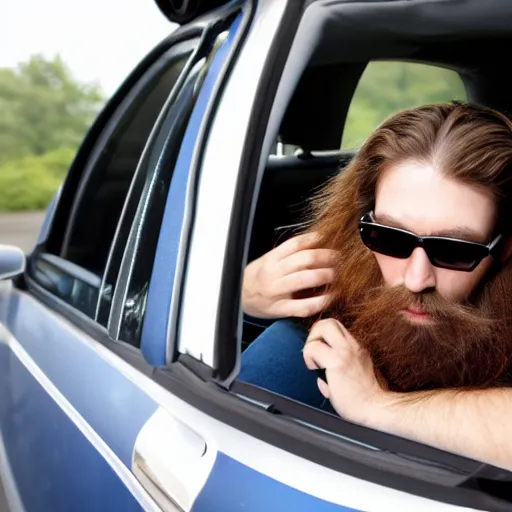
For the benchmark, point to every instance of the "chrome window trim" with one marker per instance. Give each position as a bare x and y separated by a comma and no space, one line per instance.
128,259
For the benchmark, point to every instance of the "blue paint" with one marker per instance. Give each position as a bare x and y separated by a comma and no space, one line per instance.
110,402
154,333
251,491
55,467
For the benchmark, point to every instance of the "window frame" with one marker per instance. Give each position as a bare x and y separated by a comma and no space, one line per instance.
66,199
61,264
199,30
175,53
168,149
381,61
144,173
60,267
160,333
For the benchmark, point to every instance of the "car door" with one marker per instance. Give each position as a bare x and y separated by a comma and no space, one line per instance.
75,368
267,456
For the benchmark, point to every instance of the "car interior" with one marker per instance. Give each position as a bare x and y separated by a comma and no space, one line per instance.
472,43
317,113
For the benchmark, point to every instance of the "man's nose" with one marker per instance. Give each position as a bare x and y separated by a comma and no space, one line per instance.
419,273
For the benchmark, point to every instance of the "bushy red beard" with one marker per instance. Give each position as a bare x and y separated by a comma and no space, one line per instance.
467,345
460,346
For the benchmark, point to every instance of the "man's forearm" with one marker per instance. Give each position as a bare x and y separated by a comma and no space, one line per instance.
474,424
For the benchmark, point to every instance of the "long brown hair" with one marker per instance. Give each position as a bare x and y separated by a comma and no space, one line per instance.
467,143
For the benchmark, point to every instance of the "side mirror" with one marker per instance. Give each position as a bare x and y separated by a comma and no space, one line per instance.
12,262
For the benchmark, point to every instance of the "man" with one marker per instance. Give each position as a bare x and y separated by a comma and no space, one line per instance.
416,328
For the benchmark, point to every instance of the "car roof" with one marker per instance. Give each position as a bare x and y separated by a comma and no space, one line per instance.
472,37
426,17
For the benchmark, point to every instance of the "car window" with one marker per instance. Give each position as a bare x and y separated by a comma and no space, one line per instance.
105,266
76,273
388,87
167,200
97,212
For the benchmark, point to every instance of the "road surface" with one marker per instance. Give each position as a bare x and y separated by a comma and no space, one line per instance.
20,229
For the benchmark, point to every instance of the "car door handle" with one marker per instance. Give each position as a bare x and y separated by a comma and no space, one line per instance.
171,461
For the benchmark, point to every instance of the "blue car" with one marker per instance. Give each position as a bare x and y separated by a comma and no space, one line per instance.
121,333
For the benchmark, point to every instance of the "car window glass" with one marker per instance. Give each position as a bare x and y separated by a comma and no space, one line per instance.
388,87
75,275
145,234
92,230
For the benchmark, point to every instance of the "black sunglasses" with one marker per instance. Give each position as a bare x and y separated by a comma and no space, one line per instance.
443,252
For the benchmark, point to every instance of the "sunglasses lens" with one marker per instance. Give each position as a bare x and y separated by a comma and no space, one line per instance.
455,255
442,252
387,241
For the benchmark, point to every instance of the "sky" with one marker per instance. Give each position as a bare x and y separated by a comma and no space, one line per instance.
100,40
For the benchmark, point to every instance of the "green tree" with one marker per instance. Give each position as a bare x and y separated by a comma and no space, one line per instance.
27,183
43,108
44,114
388,87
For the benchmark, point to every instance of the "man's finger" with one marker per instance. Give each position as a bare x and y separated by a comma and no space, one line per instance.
304,280
308,259
296,244
304,308
347,336
324,388
317,354
332,332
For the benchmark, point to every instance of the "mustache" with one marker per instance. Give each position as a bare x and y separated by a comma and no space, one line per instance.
395,299
463,346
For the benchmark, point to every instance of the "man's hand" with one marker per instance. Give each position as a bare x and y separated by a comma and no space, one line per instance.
272,281
352,385
472,423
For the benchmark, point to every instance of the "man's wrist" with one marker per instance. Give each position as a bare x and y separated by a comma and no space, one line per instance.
385,412
402,414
